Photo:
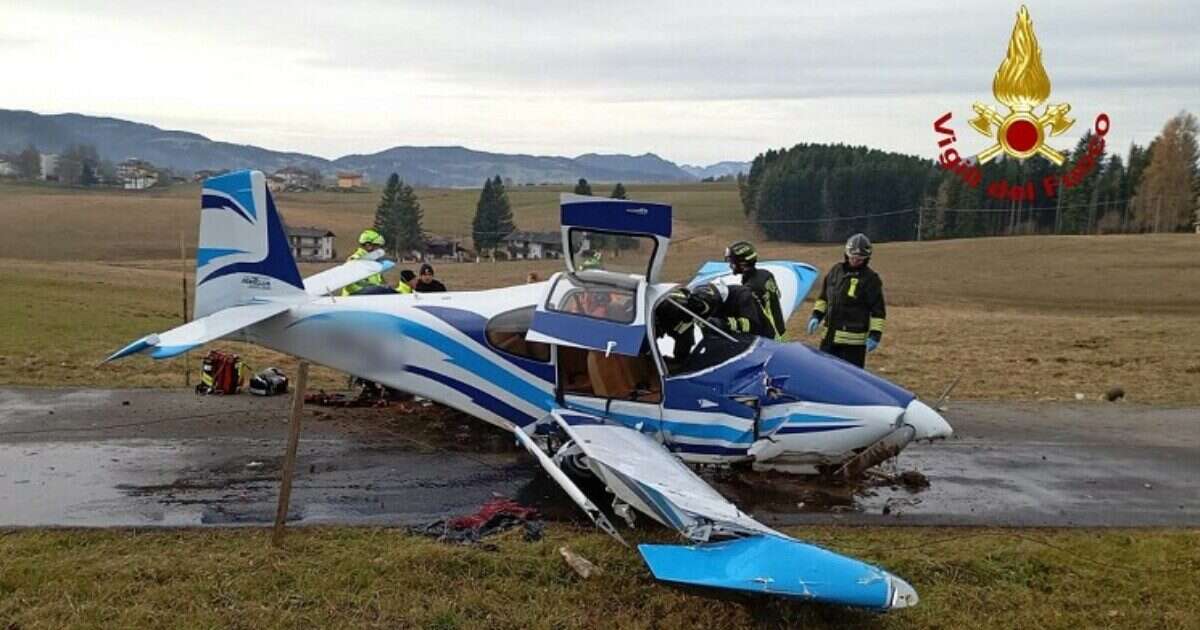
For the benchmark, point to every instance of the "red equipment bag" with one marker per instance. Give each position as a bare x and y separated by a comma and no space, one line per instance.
221,373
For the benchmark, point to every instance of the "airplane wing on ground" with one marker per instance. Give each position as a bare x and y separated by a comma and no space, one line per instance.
332,280
730,550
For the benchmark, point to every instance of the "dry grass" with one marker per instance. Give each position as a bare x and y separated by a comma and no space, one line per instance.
379,578
1021,318
53,223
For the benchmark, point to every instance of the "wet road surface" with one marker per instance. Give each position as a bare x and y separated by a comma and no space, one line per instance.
155,457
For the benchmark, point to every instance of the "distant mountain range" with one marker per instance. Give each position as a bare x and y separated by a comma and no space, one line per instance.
720,169
186,152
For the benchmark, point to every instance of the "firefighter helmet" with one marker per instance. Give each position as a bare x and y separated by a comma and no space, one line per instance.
741,252
858,245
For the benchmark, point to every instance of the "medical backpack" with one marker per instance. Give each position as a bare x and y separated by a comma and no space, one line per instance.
221,373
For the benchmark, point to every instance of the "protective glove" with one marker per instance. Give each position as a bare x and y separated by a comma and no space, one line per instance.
872,343
813,323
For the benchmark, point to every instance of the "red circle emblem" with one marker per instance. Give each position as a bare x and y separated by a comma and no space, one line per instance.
1021,135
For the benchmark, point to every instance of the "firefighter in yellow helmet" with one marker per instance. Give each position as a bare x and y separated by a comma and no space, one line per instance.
368,241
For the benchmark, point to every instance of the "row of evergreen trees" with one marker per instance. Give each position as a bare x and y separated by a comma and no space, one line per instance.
815,192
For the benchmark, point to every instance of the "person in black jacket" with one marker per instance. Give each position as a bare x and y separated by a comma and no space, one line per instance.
426,283
734,309
851,305
742,259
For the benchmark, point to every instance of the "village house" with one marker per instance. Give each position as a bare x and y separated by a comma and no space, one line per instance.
135,174
533,245
7,168
311,244
351,180
292,179
204,174
49,166
444,247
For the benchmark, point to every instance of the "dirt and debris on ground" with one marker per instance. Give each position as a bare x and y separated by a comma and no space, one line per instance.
157,457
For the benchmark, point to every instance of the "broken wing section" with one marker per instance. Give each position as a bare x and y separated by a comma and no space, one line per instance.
779,566
645,475
744,555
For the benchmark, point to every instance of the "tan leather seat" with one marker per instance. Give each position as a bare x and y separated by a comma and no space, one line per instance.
612,376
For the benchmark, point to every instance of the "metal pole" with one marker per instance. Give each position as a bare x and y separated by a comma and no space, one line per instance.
289,460
187,371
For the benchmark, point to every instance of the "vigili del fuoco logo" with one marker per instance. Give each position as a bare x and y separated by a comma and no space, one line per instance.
1021,85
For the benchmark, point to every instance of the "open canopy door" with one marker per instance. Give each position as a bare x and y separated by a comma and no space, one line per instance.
615,235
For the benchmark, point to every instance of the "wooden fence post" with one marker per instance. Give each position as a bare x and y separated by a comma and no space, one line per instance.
289,460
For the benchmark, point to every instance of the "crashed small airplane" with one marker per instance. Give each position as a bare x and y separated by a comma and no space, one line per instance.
570,366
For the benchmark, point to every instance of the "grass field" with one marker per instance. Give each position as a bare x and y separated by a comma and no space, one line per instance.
372,578
1025,318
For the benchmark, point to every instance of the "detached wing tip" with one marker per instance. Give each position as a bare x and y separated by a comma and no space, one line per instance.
135,347
903,594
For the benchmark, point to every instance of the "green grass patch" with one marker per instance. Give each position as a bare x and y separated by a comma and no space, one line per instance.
345,577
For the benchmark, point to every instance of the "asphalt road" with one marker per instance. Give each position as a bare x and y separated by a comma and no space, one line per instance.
170,458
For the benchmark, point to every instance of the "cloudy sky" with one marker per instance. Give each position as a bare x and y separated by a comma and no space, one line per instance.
693,81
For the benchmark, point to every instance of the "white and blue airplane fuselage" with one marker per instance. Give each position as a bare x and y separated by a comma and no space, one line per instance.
572,367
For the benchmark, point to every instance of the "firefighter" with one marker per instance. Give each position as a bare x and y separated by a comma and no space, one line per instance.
368,241
742,258
732,308
407,279
590,259
671,321
851,305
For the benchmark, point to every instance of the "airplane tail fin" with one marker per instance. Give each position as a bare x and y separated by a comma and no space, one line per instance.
245,272
244,255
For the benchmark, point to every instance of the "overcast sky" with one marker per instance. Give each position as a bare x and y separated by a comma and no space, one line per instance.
694,82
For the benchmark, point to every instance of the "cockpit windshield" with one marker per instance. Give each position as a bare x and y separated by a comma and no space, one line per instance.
622,253
573,294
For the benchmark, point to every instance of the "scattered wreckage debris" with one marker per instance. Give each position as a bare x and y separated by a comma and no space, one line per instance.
323,399
496,515
581,565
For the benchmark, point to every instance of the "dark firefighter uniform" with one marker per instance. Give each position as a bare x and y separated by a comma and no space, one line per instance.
739,312
742,259
766,293
852,309
673,322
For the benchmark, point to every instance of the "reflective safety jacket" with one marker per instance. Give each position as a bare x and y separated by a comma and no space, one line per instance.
766,293
373,279
851,305
401,287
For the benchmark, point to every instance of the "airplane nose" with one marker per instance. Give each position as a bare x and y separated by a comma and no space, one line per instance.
928,423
